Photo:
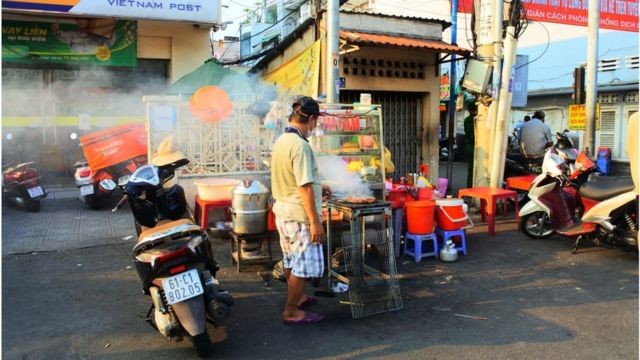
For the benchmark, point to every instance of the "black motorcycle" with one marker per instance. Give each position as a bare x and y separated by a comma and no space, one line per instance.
174,259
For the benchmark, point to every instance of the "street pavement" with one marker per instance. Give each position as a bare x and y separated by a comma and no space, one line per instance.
70,292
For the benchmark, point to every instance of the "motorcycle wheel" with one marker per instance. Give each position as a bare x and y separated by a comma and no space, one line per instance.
92,201
537,225
202,344
32,205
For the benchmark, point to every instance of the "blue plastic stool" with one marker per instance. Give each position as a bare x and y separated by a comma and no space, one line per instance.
448,234
416,250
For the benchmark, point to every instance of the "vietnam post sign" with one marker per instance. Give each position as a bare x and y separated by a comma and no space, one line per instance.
198,11
619,15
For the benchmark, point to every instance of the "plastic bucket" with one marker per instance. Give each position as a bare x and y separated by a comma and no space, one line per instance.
450,214
420,216
425,193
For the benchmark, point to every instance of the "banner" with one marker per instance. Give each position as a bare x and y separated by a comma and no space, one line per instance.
199,11
300,75
614,14
86,41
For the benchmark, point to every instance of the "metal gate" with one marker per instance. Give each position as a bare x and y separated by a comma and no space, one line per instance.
402,125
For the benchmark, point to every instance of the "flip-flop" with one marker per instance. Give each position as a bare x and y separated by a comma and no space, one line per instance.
310,301
308,319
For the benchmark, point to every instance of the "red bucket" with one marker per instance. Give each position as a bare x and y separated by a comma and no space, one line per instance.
420,216
425,193
450,214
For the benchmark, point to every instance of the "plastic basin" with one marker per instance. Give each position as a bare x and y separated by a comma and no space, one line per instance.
216,189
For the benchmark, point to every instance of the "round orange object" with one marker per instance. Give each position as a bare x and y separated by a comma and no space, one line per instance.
210,104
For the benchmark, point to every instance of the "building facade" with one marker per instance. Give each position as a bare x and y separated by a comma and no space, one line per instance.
64,75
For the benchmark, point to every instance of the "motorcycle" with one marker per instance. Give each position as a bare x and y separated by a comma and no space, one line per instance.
518,165
578,205
97,185
21,185
174,259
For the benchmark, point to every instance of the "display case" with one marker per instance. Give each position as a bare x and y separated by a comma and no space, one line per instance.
353,134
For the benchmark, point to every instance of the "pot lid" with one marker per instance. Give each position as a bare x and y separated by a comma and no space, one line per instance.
250,187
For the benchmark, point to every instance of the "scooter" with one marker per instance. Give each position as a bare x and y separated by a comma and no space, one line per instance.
21,185
173,259
604,211
97,185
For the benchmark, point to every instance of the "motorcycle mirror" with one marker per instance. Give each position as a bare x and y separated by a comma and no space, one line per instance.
9,136
73,136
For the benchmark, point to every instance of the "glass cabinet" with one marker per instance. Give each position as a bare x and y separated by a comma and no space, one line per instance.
352,134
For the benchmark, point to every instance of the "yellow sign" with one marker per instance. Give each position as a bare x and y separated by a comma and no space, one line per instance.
300,75
578,117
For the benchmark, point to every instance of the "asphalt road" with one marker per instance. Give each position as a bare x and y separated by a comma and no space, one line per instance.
530,299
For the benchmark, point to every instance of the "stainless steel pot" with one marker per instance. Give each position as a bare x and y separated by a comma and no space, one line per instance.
249,206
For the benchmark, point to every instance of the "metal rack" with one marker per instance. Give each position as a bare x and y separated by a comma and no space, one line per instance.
364,258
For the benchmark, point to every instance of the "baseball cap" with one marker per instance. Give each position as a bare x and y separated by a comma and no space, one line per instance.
307,106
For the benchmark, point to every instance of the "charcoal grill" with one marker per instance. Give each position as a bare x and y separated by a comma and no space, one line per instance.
366,260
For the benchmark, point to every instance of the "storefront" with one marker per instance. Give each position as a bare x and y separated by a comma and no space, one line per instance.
393,58
64,74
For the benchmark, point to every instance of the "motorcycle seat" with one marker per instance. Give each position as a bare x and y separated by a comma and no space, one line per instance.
594,177
162,228
602,190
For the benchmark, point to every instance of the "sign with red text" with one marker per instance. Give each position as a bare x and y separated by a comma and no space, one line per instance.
614,14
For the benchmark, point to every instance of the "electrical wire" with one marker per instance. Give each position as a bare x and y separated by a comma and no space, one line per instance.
545,49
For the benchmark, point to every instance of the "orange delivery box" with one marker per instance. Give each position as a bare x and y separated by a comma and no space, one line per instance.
114,145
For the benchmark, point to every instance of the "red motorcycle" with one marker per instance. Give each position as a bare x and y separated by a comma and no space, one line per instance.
21,185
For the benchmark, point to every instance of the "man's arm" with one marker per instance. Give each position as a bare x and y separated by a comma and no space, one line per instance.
548,136
309,204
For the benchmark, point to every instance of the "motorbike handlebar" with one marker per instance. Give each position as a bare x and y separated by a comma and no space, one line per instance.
120,203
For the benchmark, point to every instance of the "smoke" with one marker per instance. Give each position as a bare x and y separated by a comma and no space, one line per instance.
334,172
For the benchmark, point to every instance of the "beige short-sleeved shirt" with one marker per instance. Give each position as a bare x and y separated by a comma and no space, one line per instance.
293,165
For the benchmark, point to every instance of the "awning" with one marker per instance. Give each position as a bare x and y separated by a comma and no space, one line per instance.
360,38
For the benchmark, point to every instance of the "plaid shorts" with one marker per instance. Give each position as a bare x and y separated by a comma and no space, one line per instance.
304,258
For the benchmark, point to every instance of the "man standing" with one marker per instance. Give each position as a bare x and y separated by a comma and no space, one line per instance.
470,139
298,194
535,137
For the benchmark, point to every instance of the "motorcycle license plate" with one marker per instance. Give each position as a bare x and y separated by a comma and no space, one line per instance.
36,191
86,190
123,180
183,286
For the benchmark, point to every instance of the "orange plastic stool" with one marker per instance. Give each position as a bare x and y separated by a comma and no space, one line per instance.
520,182
203,207
489,196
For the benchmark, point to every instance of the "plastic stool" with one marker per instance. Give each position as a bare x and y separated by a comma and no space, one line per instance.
204,206
416,251
446,235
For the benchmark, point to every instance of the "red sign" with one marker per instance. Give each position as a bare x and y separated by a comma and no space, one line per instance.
614,14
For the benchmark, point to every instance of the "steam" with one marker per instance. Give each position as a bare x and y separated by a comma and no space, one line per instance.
334,172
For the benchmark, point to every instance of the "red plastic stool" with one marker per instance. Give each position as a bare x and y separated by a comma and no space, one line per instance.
204,206
489,196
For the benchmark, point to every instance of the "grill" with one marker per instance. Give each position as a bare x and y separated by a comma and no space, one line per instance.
363,257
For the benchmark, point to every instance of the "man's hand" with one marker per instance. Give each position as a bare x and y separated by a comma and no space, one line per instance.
317,232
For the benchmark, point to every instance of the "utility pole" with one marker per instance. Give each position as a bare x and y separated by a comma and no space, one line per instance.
592,75
333,55
452,92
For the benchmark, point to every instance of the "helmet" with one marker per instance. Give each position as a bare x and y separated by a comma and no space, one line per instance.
539,114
